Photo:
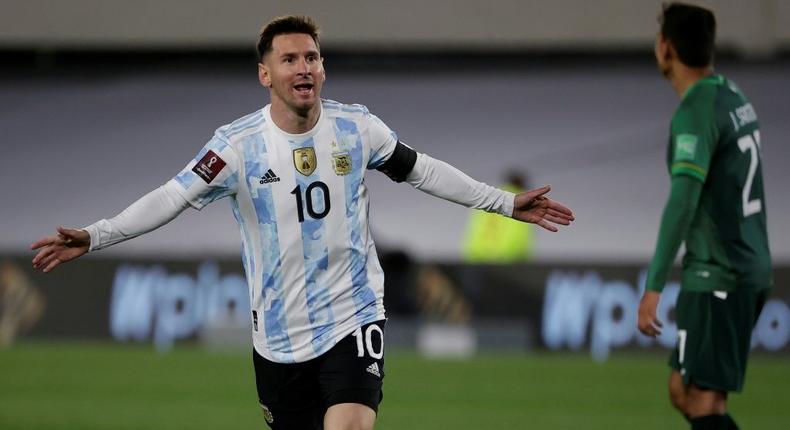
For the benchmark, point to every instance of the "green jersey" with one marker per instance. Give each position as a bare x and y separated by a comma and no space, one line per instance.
715,139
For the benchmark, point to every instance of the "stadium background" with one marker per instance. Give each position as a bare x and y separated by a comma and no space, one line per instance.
105,100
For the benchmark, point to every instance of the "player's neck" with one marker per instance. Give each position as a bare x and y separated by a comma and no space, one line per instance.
684,77
294,122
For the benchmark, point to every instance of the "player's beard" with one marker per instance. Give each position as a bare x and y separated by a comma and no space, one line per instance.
301,108
665,67
666,70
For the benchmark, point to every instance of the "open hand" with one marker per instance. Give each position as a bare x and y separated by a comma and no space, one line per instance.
65,246
534,207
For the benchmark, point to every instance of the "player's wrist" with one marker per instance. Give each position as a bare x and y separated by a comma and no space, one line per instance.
655,282
508,204
94,235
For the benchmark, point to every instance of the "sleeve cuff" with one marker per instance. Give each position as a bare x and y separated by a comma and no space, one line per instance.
95,233
508,204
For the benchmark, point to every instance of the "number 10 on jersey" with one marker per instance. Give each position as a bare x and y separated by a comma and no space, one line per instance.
305,200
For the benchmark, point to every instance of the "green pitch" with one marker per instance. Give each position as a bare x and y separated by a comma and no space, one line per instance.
85,386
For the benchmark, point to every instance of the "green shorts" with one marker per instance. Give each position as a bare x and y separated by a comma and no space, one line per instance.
714,336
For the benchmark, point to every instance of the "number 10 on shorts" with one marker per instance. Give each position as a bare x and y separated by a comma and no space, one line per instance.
365,342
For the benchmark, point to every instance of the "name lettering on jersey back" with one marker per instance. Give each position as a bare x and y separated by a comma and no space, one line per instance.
743,115
209,166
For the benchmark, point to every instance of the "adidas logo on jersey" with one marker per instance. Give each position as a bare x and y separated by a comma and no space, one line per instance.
373,369
269,177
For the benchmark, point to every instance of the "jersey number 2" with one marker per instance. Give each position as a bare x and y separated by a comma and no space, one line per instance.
751,143
308,197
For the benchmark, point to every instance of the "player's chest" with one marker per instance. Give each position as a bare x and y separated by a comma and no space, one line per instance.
311,173
324,155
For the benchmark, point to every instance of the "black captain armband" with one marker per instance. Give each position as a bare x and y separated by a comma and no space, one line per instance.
400,163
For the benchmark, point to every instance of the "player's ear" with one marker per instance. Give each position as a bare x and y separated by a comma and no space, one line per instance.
263,75
660,47
669,50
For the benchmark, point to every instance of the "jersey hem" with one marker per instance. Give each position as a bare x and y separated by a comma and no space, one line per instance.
301,358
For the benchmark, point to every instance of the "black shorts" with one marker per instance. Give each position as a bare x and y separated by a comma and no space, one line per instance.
714,336
297,395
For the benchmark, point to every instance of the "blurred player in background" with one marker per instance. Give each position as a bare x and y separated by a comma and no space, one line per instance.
717,206
494,239
294,173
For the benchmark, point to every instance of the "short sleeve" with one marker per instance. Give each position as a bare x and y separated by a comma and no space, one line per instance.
693,142
211,175
382,141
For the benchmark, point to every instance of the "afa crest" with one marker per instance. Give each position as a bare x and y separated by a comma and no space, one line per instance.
304,160
341,162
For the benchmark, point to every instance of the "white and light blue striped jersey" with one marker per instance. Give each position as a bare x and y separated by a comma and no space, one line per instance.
302,207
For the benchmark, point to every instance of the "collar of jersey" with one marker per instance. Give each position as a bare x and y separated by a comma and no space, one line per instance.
713,79
267,115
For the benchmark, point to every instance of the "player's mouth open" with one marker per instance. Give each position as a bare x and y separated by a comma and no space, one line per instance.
304,89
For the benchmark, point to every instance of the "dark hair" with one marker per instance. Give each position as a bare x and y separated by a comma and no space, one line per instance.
517,177
692,32
285,25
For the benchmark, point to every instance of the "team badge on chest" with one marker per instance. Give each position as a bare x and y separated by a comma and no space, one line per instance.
304,160
341,162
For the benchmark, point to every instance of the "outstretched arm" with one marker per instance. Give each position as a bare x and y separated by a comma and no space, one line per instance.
150,212
442,180
439,179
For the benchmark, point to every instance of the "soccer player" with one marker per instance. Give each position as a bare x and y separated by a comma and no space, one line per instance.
717,206
294,171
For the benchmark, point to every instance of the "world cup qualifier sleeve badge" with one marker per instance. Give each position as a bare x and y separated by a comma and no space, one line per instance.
209,166
341,162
